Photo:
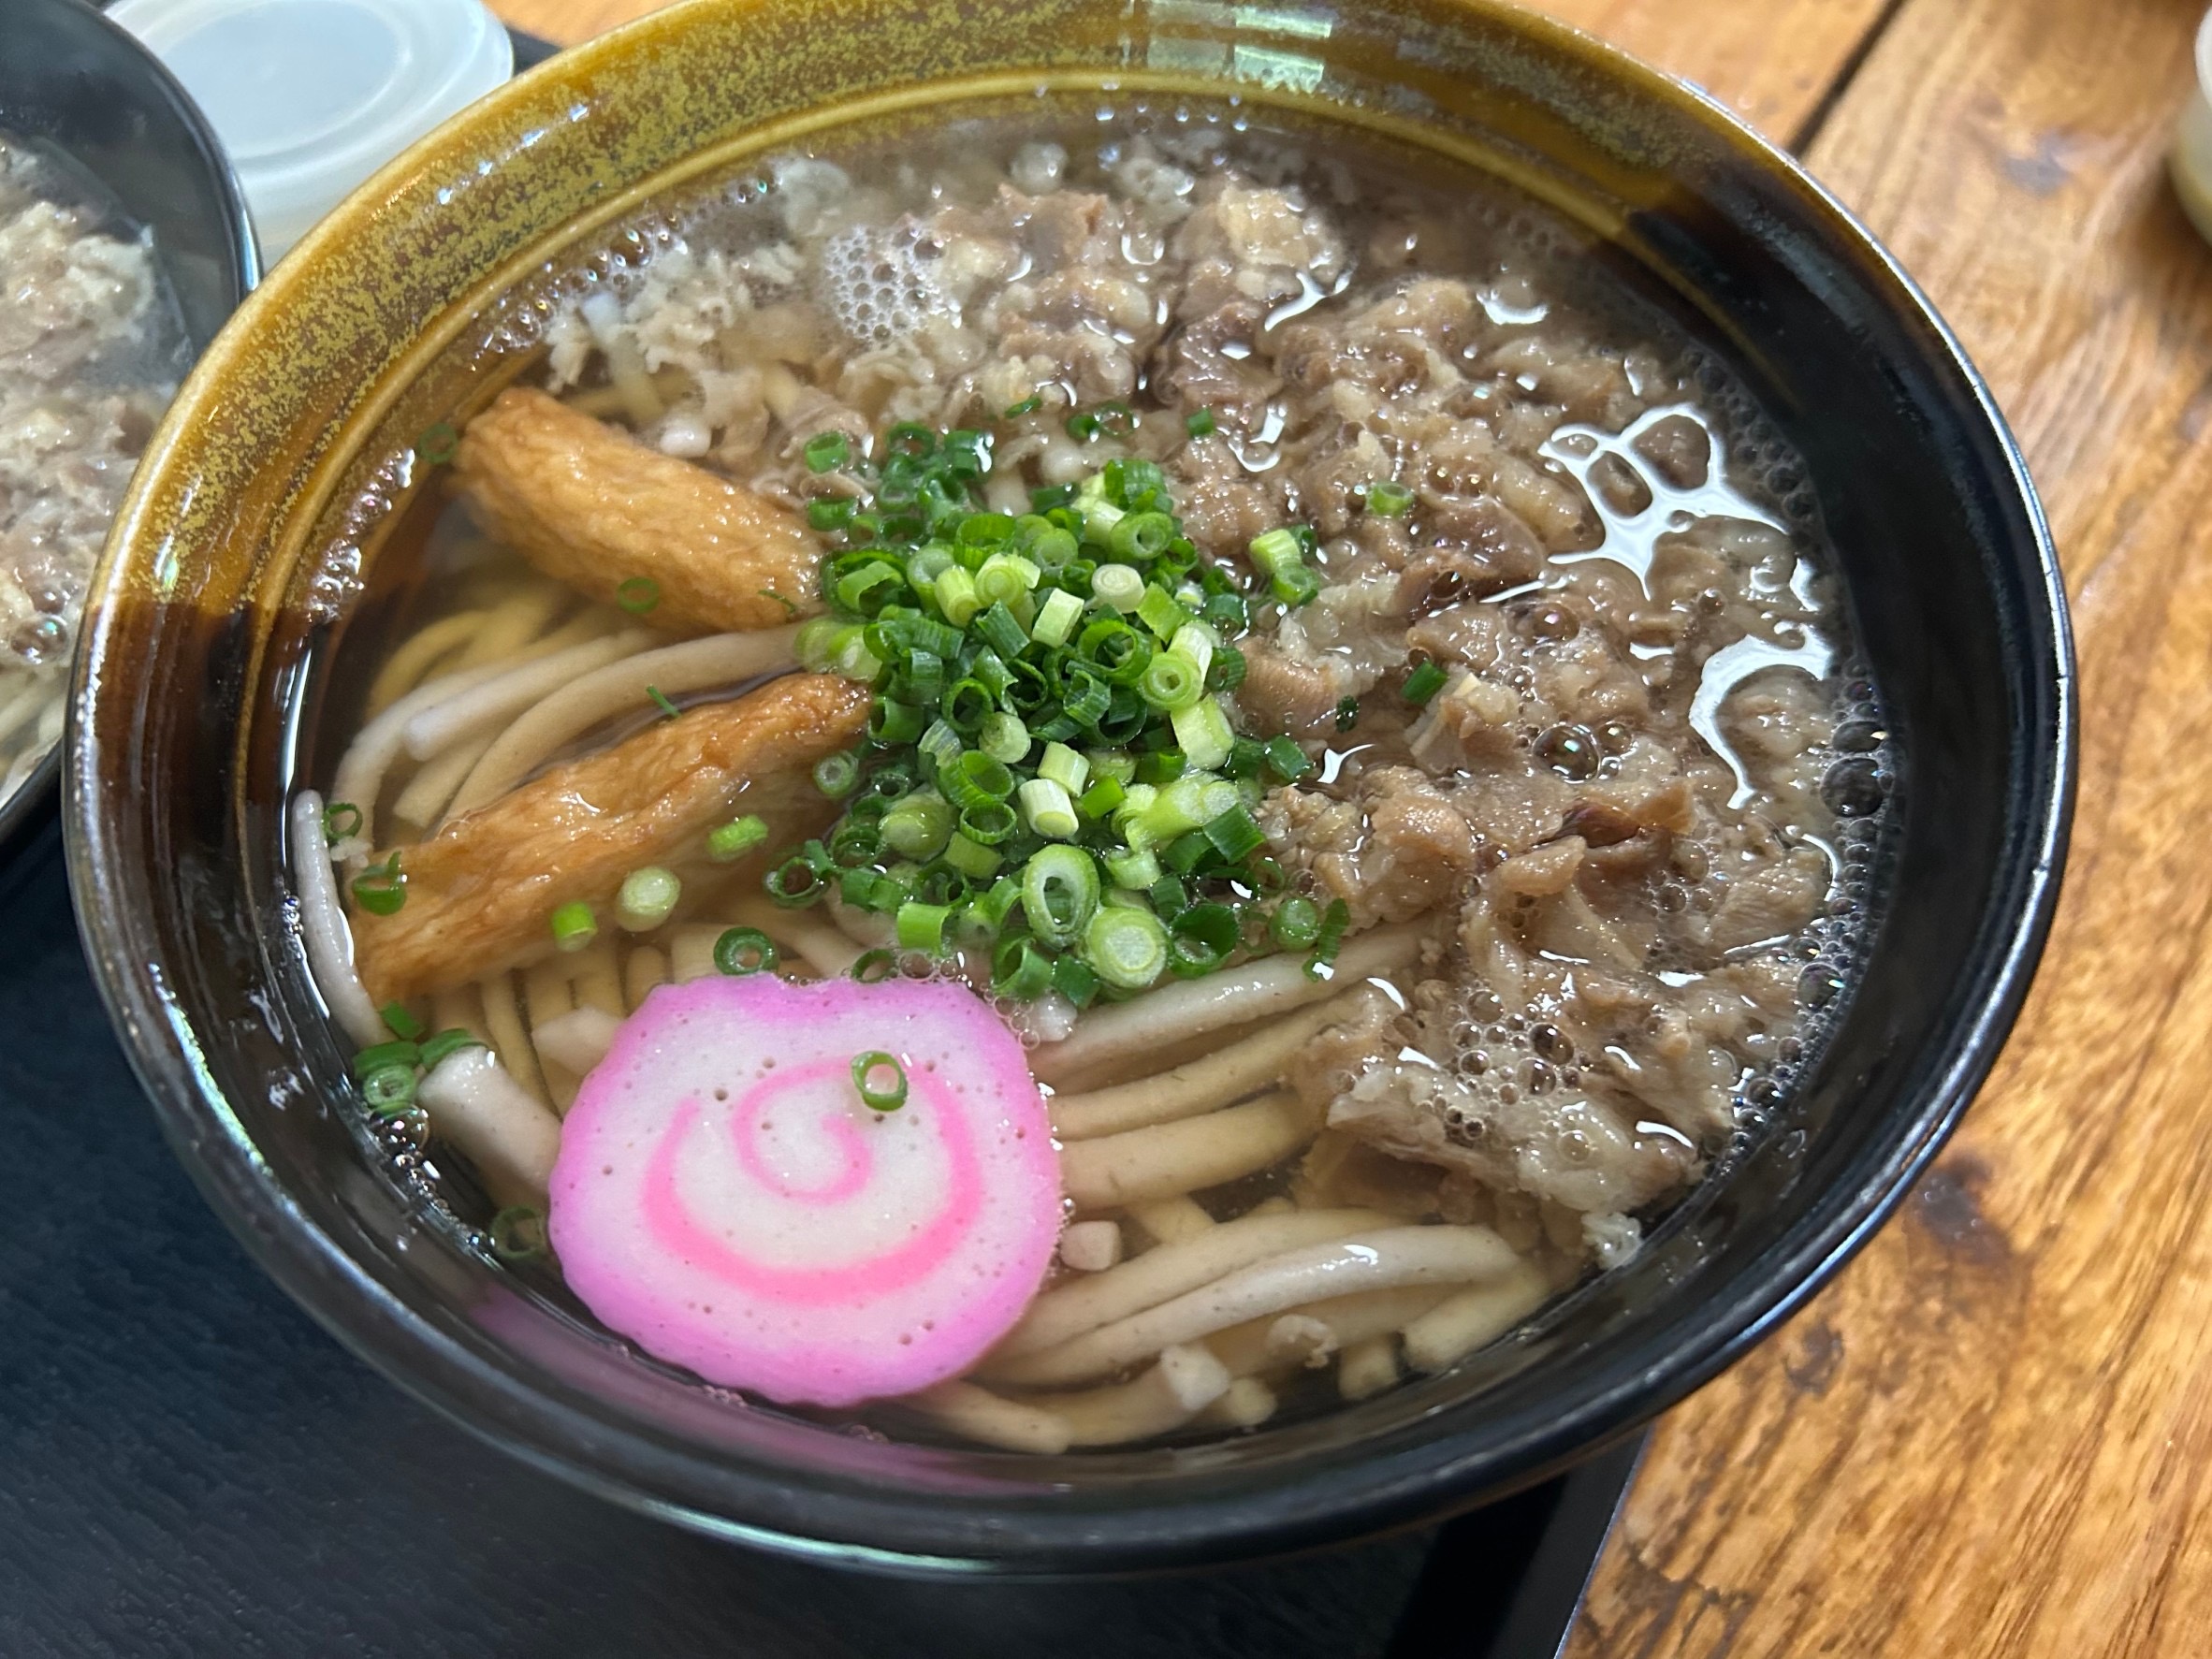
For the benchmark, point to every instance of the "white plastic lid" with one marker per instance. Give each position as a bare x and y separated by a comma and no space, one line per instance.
311,96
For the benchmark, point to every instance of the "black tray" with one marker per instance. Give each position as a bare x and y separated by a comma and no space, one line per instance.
188,1466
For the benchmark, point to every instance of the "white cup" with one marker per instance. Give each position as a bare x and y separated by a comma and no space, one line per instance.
311,97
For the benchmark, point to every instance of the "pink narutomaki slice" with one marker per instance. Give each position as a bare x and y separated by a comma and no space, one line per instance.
724,1197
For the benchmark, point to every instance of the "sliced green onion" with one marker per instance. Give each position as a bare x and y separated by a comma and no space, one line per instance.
837,775
446,1044
871,967
1196,644
1347,713
1135,869
638,595
794,883
1076,980
968,704
518,1233
1424,683
1202,939
976,780
1202,732
1028,406
1234,834
573,925
890,722
1056,617
1199,423
1126,948
1004,578
956,596
940,746
743,950
647,899
668,711
876,1093
1226,613
1158,611
830,512
825,452
341,821
382,888
1296,923
1334,920
1020,970
1387,498
1059,894
1101,798
389,1090
1138,538
1047,809
1001,632
971,858
732,841
1063,766
1120,586
1005,738
1287,759
399,1022
918,825
1186,853
1274,548
1296,585
989,825
1170,682
922,927
1082,427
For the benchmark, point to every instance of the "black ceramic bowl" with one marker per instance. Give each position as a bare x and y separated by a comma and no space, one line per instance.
76,82
188,721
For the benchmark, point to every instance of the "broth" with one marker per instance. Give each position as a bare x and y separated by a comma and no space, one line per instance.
1435,803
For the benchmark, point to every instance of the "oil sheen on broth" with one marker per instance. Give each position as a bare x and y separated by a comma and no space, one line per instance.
1348,681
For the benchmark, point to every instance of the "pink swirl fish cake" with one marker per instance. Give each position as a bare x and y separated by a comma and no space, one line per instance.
725,1197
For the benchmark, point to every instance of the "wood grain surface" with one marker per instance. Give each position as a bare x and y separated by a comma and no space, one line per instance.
1993,1434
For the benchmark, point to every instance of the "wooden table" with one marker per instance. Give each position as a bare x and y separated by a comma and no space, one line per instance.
1993,1433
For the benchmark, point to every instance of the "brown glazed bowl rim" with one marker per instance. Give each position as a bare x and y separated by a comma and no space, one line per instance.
171,855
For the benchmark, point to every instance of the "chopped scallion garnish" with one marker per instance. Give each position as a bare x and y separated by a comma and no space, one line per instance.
382,888
744,949
1199,423
1334,921
734,839
399,1022
825,452
647,899
341,821
518,1233
1386,499
638,595
573,925
1424,683
660,701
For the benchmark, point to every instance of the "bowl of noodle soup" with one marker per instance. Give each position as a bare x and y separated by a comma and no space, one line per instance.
1315,574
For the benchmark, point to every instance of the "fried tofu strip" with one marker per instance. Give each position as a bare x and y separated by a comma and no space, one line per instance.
480,894
592,507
